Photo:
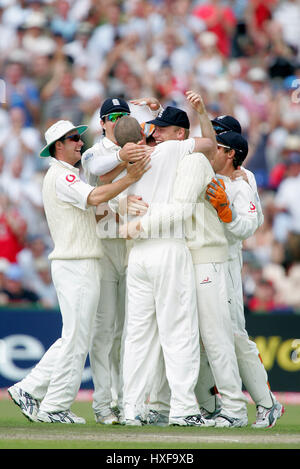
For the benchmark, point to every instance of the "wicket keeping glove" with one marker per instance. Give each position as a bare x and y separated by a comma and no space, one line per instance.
217,197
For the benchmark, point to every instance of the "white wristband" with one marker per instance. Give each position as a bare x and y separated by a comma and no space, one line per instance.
118,156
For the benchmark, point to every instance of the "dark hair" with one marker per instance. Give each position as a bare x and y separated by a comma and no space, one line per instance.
52,150
238,159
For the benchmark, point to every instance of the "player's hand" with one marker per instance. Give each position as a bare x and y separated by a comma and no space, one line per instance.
151,102
196,101
132,152
217,197
136,170
130,230
239,173
136,206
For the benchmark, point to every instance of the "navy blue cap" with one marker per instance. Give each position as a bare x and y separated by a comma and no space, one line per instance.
171,116
235,141
226,123
113,105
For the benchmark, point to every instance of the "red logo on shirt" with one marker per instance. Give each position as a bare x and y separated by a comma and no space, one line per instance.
70,178
252,207
205,280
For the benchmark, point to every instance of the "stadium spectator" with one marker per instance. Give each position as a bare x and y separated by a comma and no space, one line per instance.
221,20
20,142
34,250
43,285
263,300
12,230
21,91
62,21
65,102
14,289
4,264
242,56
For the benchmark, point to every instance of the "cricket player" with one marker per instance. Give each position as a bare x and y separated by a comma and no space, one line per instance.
162,309
48,391
209,249
102,164
232,151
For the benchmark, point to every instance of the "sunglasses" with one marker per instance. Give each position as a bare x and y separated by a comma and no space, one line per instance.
219,145
114,116
218,129
73,138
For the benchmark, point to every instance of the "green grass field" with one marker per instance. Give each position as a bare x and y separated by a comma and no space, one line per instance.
16,432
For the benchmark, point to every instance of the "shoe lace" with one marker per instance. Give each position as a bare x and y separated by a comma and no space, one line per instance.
30,402
65,415
195,419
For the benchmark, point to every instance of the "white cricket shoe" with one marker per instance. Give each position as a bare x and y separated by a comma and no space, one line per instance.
267,417
210,415
191,421
110,419
28,404
133,422
64,416
224,421
157,419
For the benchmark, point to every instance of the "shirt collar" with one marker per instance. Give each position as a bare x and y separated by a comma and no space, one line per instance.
64,163
107,143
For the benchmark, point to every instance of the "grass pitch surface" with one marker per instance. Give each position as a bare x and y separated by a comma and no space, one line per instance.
16,432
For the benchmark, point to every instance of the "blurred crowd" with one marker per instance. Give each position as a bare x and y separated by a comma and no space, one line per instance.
59,59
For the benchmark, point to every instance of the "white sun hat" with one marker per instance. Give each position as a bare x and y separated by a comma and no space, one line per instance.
57,131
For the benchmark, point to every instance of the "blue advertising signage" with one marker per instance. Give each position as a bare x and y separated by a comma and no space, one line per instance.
25,335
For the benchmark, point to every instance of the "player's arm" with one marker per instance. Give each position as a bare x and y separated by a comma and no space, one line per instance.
153,104
111,175
104,193
239,214
189,183
101,164
209,144
246,222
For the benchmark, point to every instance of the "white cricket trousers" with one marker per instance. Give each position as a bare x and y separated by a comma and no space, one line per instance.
106,342
57,377
161,314
252,371
217,336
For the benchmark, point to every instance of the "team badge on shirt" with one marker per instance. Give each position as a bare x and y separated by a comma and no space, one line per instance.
71,179
252,208
87,156
205,281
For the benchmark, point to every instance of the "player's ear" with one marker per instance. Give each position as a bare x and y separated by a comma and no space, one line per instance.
181,133
231,154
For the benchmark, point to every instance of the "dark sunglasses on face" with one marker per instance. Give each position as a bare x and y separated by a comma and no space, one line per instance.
73,138
114,116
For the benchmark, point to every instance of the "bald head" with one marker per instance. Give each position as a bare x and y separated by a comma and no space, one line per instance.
127,129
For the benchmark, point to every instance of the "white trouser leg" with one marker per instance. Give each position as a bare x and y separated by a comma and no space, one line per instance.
115,355
160,394
217,335
252,371
205,388
101,346
37,381
110,313
162,270
141,345
76,283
